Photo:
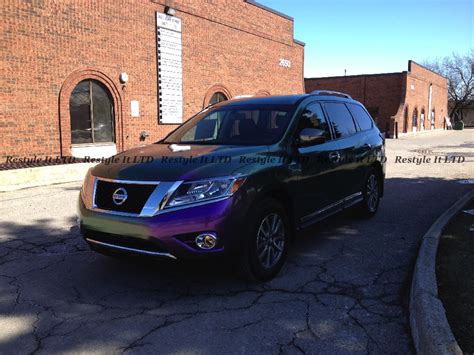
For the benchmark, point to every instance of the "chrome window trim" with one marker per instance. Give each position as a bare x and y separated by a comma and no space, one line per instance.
113,246
332,205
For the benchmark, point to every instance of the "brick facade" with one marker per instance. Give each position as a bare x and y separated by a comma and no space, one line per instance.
394,97
48,47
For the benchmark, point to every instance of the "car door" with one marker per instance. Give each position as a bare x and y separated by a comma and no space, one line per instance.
314,167
345,182
364,146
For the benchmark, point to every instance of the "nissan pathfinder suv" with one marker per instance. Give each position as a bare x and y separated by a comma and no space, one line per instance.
237,179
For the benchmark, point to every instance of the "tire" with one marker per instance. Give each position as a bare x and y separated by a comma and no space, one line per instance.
266,242
371,194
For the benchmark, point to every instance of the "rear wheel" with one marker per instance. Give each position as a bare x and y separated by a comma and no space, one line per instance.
371,195
266,244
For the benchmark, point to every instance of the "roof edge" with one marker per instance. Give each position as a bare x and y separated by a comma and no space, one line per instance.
269,9
299,42
430,70
352,76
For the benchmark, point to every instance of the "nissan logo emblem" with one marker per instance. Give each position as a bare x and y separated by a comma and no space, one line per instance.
120,196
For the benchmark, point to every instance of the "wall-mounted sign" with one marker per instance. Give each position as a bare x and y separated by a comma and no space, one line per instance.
135,108
170,69
285,63
169,22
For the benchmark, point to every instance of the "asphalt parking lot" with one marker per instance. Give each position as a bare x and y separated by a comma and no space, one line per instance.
344,288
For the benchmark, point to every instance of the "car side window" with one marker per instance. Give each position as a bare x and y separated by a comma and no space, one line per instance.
361,116
313,117
341,119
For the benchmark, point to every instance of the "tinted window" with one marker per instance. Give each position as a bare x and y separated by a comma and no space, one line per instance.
374,113
235,124
91,111
80,109
313,117
341,119
362,118
206,129
217,97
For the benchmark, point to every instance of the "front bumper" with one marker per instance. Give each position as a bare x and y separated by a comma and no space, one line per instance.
169,235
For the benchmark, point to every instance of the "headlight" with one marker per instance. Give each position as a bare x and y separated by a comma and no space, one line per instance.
87,189
204,190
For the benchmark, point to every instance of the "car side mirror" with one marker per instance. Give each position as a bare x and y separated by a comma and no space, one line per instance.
311,136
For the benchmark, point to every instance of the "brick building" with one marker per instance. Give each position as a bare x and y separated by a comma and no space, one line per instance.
410,101
95,77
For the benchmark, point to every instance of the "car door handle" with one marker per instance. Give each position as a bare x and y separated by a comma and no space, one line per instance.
334,157
295,167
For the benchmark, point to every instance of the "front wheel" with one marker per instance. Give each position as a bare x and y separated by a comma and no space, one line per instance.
371,195
266,244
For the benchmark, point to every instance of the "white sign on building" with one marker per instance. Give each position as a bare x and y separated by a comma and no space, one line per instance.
170,69
135,108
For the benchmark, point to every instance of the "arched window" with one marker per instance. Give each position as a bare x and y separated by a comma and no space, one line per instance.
92,113
217,97
415,118
422,118
405,120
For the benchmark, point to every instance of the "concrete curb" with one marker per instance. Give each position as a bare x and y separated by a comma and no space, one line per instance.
429,326
17,179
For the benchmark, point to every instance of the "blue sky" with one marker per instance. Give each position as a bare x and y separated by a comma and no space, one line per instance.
377,36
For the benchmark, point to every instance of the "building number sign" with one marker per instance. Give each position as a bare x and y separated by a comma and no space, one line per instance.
285,63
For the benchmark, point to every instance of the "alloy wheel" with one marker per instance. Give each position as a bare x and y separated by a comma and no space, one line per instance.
271,236
372,193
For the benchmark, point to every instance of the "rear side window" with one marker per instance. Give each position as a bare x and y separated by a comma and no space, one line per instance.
341,119
362,118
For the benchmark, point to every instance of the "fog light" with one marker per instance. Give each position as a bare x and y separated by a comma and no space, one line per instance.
206,241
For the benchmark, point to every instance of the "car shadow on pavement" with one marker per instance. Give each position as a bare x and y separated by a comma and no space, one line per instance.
344,288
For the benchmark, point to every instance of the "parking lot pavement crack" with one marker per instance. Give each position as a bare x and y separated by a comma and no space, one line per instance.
138,342
308,324
245,325
292,344
50,332
370,338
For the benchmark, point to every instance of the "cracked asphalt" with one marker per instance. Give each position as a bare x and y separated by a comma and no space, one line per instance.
344,288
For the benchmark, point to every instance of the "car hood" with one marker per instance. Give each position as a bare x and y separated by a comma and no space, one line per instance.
171,162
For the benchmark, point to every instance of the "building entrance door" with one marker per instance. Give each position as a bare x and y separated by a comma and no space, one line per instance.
92,120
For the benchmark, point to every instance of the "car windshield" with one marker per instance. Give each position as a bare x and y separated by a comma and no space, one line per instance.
235,125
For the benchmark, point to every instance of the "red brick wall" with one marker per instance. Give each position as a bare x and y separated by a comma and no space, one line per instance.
393,95
382,92
418,82
48,46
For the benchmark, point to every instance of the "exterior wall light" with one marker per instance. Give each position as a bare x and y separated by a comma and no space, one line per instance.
170,11
123,78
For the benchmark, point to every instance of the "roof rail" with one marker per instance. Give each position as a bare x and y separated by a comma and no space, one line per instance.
330,93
